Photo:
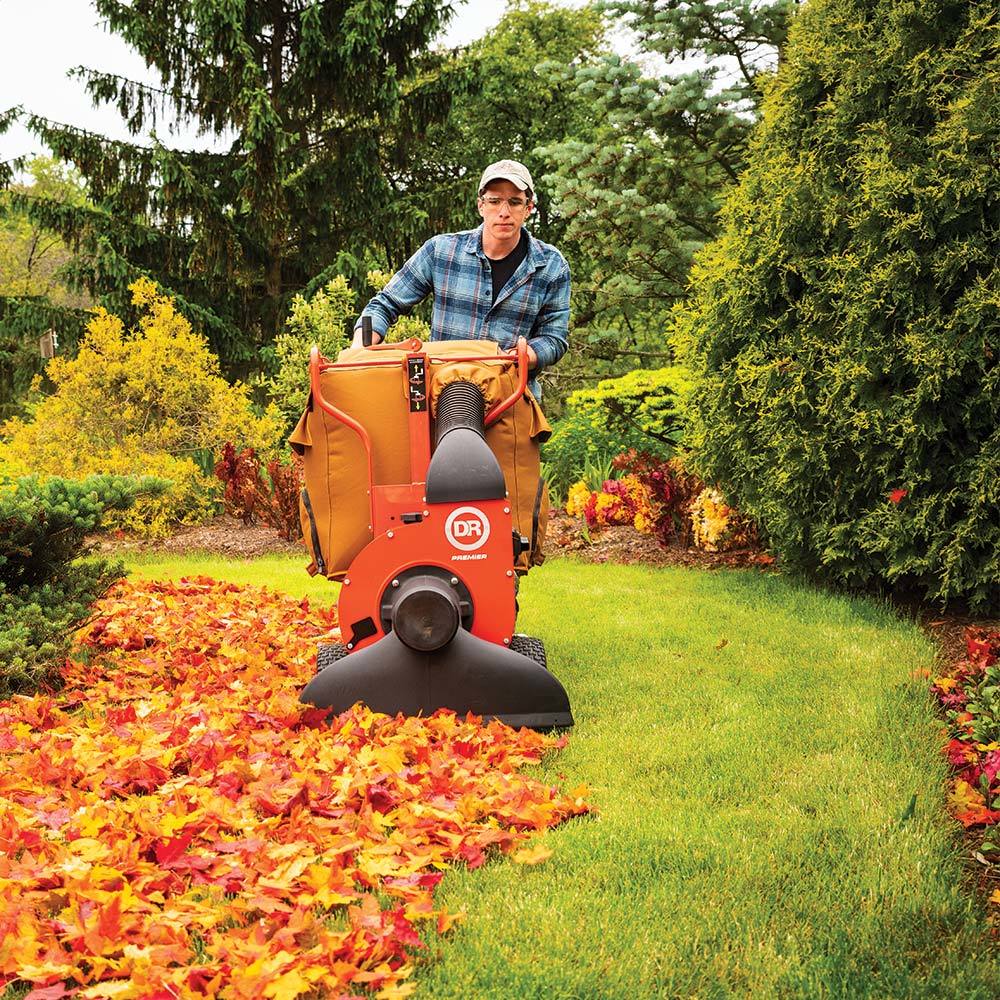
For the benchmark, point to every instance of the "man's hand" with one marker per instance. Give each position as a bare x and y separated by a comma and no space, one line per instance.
529,353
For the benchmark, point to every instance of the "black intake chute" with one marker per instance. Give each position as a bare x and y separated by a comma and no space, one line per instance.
463,467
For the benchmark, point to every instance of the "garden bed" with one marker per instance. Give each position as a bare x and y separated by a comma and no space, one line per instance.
228,536
223,535
623,544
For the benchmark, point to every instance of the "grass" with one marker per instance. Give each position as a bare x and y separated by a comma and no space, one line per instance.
753,747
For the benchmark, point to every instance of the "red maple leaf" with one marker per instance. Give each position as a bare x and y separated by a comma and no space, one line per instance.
168,851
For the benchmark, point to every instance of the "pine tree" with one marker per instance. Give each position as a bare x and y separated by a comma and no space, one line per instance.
302,92
33,295
643,191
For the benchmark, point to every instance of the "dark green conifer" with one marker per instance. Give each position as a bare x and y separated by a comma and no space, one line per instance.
297,96
845,327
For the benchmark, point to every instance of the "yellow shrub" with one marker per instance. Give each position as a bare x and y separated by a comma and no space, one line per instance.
142,401
717,526
192,499
579,496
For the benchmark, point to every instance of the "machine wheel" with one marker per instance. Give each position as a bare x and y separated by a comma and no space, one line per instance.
529,646
329,652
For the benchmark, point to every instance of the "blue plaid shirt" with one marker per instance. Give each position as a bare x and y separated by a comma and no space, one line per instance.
534,303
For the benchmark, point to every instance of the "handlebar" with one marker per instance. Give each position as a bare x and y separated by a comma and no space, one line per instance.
522,383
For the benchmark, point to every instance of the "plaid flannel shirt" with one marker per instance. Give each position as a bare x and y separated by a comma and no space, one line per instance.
534,303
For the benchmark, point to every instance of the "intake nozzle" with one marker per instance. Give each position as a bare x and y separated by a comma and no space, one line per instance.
462,467
425,613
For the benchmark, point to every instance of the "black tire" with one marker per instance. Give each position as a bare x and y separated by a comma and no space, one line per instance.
329,652
532,648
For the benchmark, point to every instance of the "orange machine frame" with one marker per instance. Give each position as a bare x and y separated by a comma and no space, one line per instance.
397,544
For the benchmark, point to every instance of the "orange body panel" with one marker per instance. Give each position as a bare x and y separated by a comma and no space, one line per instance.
451,538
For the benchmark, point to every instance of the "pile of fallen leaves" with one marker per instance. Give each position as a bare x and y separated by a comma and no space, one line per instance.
175,824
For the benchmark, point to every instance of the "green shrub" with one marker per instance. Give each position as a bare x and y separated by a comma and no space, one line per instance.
644,410
324,320
845,326
44,593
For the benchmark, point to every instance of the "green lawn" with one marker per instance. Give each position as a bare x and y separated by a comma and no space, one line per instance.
752,746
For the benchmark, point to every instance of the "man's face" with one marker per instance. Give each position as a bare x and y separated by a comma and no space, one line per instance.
502,220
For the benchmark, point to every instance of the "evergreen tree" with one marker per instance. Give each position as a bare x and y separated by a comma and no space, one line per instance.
642,192
845,325
303,93
505,106
33,293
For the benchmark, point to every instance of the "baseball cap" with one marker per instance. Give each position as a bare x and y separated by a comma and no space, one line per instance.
507,170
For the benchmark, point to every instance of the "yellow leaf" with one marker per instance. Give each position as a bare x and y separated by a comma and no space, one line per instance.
112,988
287,986
389,759
45,971
533,855
964,797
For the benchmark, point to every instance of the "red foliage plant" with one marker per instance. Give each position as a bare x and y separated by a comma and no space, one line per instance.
245,490
251,496
286,488
670,488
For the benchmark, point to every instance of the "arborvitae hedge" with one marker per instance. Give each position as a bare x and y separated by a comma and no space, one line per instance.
846,325
44,592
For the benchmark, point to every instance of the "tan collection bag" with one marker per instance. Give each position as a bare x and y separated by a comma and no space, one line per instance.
334,506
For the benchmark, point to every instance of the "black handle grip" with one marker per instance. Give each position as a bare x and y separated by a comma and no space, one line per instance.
366,331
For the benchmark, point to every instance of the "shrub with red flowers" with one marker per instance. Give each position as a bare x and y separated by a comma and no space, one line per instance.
619,501
970,695
253,497
658,496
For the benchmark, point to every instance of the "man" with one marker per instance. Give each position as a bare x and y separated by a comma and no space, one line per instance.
496,282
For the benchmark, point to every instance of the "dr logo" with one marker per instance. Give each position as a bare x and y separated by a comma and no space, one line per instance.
467,528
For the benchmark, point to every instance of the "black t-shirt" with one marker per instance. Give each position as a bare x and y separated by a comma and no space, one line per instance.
504,267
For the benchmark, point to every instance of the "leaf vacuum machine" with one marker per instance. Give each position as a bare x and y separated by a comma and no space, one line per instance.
423,497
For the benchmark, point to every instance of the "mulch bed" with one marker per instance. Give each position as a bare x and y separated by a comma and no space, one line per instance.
226,536
623,544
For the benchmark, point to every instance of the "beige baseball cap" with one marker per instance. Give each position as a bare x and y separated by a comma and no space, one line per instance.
507,170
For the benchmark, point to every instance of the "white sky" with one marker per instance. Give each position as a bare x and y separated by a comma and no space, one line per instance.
41,39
